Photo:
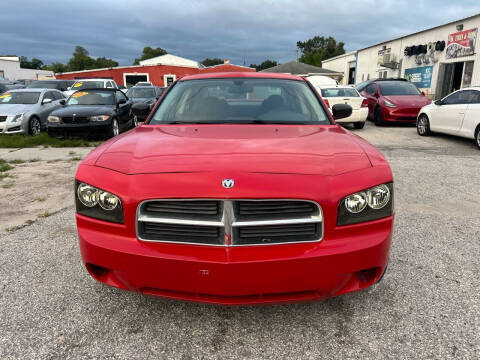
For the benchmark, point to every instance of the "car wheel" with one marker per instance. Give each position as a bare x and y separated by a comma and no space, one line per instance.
114,129
377,117
135,121
423,125
34,126
359,125
477,136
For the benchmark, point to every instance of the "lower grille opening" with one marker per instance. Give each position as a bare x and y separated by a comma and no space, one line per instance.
182,233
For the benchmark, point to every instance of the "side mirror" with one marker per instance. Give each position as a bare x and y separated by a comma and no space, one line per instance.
62,102
141,110
438,102
423,93
46,101
122,101
341,111
69,88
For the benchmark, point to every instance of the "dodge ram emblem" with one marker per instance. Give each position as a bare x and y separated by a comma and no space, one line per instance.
228,183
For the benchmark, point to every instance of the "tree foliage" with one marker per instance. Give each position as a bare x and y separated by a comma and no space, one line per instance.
211,62
264,65
56,67
149,53
319,48
81,60
33,64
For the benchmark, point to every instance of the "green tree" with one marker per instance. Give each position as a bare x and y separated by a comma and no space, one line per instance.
149,53
33,64
56,67
319,48
211,62
264,65
103,62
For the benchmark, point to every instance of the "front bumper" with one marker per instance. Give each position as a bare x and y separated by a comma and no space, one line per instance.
9,128
90,128
399,114
229,276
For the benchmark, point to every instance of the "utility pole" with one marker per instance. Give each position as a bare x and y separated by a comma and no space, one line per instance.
296,50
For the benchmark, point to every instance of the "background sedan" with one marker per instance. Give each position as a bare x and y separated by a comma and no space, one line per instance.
456,114
350,96
25,111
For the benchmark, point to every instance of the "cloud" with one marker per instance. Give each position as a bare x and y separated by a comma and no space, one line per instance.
249,31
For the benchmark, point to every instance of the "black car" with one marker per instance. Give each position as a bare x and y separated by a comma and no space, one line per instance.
92,112
61,85
144,94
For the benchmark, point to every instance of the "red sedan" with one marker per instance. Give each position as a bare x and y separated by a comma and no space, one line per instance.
238,189
393,101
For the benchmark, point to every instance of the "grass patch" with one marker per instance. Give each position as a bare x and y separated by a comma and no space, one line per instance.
71,153
41,199
7,186
76,158
34,160
23,141
45,214
16,161
3,176
5,166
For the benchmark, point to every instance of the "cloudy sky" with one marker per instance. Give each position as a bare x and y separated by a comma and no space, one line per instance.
246,30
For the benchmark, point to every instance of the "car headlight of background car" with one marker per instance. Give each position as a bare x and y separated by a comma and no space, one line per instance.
96,203
389,103
371,204
18,118
99,118
53,119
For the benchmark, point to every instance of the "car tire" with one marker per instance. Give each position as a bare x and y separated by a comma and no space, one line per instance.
423,125
477,136
114,129
359,125
134,121
377,116
34,126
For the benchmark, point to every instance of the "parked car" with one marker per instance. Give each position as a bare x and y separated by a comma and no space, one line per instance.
350,96
25,111
143,94
61,85
123,88
144,83
6,85
92,112
239,189
456,114
393,101
95,83
319,81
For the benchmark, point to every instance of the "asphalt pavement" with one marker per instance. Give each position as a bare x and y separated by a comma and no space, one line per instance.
426,307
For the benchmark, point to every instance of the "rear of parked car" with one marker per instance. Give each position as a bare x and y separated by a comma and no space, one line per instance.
350,96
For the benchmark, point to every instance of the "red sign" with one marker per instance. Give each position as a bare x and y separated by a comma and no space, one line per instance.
461,43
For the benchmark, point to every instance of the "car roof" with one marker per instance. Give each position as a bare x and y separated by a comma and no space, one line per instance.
254,75
50,80
98,89
99,79
30,90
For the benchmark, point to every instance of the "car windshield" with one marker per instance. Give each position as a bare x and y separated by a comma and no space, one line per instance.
43,85
79,85
390,88
141,93
22,97
339,92
241,100
92,98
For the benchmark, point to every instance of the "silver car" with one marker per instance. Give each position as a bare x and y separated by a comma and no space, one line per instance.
25,111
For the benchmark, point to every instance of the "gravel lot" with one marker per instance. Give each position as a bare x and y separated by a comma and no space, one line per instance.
427,306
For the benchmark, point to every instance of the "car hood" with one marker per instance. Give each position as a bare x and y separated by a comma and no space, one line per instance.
15,109
326,150
83,110
142,100
409,100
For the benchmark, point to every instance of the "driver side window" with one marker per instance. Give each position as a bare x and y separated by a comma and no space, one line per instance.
460,97
119,96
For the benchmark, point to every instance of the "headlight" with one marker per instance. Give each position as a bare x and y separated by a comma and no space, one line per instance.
99,118
389,103
53,119
371,204
18,118
97,203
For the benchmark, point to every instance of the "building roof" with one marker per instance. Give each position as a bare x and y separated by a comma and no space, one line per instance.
171,60
298,68
340,56
421,31
247,74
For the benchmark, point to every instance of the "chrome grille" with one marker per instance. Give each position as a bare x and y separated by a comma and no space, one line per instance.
229,222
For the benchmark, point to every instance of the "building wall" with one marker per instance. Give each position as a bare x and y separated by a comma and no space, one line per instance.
12,71
156,73
341,64
367,66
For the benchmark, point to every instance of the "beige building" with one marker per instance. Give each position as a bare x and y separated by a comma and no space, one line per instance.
438,60
344,64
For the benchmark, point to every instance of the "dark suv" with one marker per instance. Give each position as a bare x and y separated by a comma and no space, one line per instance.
61,85
393,100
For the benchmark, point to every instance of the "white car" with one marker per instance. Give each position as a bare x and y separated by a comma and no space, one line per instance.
456,114
91,84
350,96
